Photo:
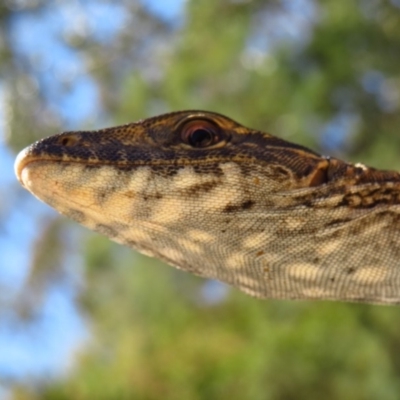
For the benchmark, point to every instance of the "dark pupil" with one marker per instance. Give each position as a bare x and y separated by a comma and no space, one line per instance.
200,138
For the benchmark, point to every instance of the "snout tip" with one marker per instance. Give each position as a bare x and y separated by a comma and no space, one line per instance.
20,163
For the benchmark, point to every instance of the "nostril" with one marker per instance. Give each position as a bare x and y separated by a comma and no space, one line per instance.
67,141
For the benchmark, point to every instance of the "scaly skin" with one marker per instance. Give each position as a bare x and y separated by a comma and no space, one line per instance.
222,201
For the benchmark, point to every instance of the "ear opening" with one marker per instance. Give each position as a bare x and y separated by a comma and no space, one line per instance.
320,174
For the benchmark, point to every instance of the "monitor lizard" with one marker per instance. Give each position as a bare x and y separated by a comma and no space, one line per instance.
212,197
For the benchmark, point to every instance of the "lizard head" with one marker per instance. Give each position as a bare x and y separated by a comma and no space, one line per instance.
171,173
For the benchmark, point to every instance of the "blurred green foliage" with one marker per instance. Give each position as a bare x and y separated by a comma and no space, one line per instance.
297,73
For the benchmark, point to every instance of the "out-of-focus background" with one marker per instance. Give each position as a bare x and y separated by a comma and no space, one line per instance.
83,318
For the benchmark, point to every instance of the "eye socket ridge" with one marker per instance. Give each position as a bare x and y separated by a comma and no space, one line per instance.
200,133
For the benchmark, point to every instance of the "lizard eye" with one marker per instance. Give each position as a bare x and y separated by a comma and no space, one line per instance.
200,133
